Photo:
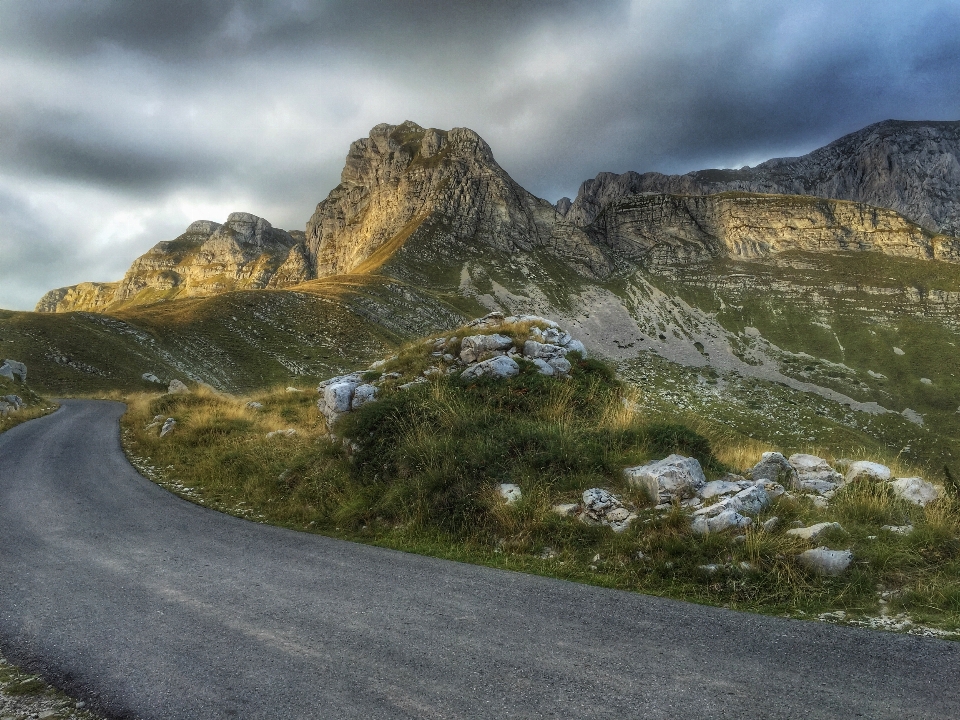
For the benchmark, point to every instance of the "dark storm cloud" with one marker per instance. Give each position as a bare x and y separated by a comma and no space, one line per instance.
122,121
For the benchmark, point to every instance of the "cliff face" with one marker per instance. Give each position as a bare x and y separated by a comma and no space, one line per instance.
404,180
660,229
245,253
910,167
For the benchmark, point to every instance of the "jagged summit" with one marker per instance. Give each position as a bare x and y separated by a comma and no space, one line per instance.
244,253
911,167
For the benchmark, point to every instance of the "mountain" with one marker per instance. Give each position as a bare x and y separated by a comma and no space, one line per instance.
245,253
910,167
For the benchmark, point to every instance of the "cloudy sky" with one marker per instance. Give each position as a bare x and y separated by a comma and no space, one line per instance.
121,122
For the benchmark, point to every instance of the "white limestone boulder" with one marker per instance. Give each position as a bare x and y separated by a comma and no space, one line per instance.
866,470
664,480
177,387
814,474
773,466
13,370
362,395
150,377
824,561
915,490
473,346
168,427
724,520
497,367
814,531
336,396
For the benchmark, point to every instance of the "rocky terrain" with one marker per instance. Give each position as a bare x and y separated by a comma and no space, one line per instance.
910,167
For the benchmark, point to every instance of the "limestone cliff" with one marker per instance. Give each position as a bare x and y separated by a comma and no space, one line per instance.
910,167
658,229
405,180
245,253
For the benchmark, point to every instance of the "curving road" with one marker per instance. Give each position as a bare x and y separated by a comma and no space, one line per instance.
147,606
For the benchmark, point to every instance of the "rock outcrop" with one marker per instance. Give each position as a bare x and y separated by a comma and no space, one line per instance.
13,370
245,253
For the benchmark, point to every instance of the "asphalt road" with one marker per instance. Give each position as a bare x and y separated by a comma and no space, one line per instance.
147,606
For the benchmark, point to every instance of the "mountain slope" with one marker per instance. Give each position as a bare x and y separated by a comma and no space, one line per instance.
910,167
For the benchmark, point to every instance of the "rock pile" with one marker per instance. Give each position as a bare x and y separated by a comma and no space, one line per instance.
473,356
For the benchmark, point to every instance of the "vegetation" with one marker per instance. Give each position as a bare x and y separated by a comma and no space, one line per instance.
34,405
24,695
418,470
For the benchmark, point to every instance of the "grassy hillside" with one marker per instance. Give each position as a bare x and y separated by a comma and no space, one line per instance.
419,470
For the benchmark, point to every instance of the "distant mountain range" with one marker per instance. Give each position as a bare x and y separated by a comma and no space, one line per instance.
893,187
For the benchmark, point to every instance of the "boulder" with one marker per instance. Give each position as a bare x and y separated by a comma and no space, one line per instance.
544,351
724,520
544,368
509,492
915,490
336,396
14,370
253,405
577,346
289,432
897,529
362,395
774,467
601,507
473,346
150,377
663,480
493,319
814,531
716,488
749,501
5,408
814,474
14,400
177,387
825,561
560,365
168,427
866,470
498,367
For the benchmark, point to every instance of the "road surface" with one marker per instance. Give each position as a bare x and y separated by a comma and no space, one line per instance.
147,606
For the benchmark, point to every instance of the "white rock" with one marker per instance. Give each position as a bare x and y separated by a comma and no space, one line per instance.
176,387
15,401
168,426
6,408
814,474
866,470
560,365
673,477
544,367
774,489
150,377
546,351
926,381
774,467
473,346
337,397
898,351
362,395
819,501
566,509
509,492
825,561
498,367
915,490
814,531
577,346
746,502
715,488
13,370
289,432
898,529
253,405
727,519
292,389
771,524
601,507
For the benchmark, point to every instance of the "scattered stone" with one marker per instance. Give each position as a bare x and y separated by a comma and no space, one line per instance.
150,377
913,416
493,319
702,524
814,531
750,501
898,351
289,432
336,396
601,507
13,370
675,476
771,525
509,492
716,488
177,387
168,427
5,408
498,367
15,401
866,470
897,529
915,490
926,381
293,389
566,509
825,561
814,474
544,367
254,405
774,467
819,501
548,553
